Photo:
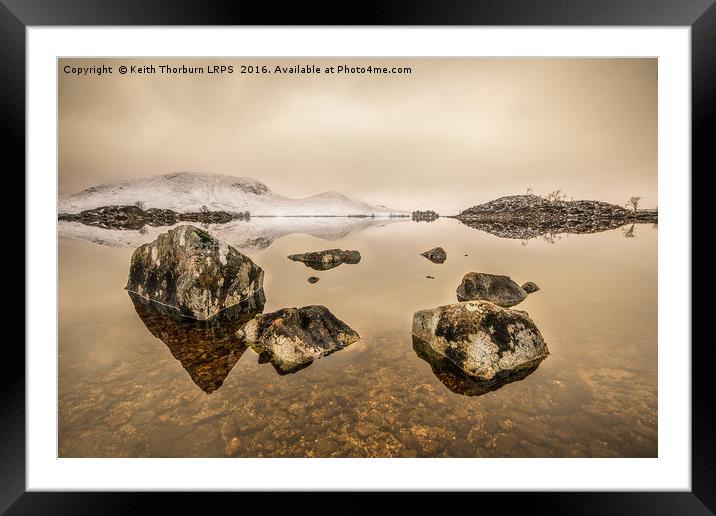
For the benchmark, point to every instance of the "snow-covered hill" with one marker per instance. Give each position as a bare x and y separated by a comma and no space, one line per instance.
188,191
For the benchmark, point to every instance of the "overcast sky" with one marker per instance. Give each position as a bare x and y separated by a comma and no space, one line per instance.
453,133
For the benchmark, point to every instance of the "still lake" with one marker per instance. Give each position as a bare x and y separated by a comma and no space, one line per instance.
123,394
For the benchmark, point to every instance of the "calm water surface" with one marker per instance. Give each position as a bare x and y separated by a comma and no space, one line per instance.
123,394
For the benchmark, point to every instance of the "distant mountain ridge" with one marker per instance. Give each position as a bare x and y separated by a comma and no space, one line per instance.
192,192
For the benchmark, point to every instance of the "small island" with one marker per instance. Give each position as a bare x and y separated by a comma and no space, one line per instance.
529,216
424,216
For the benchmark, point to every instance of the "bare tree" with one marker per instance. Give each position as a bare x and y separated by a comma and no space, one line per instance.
139,204
555,196
529,190
633,202
628,232
204,209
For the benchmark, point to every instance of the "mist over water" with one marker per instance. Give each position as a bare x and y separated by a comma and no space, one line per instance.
123,392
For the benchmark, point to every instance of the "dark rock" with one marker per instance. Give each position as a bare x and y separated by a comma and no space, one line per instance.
530,287
292,338
191,272
481,338
458,381
497,289
132,217
328,259
207,350
435,255
313,279
430,277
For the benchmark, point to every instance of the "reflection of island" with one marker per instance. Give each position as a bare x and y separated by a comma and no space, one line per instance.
247,236
530,216
457,381
207,350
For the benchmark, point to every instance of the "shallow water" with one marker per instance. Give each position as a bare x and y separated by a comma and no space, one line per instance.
123,394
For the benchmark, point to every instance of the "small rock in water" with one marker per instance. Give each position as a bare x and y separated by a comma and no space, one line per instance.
188,270
435,255
481,338
292,338
313,279
328,259
497,289
530,287
430,277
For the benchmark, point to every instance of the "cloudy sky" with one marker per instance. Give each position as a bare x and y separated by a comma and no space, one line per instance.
451,134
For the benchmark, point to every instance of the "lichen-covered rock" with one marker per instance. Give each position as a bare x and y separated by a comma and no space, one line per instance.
435,255
328,259
292,338
530,287
495,288
192,272
481,338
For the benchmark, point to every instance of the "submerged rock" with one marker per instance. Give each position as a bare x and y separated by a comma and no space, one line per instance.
328,259
482,339
313,279
193,273
435,255
495,288
455,379
207,350
292,338
530,287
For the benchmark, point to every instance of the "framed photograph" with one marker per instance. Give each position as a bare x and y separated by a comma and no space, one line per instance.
424,252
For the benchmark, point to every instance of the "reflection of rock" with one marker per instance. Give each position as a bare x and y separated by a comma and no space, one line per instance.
292,338
208,350
435,255
191,271
481,338
497,289
455,378
328,259
530,216
530,287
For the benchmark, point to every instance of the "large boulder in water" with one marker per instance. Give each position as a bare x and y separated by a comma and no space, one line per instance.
482,339
497,289
193,273
328,259
292,338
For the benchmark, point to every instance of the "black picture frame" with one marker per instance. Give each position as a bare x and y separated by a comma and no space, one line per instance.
700,15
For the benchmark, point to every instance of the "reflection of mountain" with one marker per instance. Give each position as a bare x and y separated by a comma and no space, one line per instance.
193,192
207,350
247,236
457,381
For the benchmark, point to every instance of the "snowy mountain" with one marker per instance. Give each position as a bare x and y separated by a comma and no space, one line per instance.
189,192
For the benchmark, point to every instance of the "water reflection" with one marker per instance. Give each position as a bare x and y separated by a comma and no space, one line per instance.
457,381
207,350
526,229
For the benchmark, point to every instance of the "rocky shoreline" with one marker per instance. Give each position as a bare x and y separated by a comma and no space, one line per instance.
135,217
530,216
